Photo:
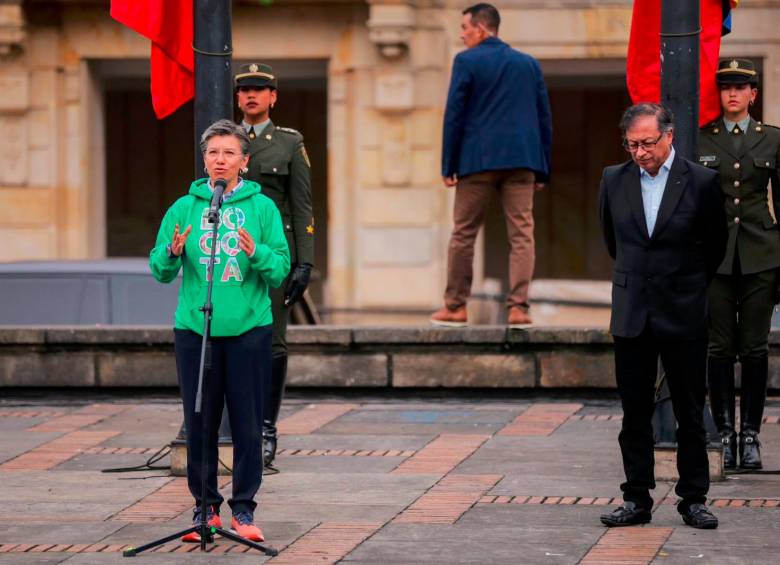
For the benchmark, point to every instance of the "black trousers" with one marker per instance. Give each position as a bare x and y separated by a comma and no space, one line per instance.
239,367
741,309
636,368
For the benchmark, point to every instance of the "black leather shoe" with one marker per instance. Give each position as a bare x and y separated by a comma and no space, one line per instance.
698,516
627,515
749,450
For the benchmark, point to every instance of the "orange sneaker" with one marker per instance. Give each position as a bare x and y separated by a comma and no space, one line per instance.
244,525
457,318
518,318
213,521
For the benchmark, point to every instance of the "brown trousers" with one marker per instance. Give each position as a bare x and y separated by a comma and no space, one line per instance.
472,196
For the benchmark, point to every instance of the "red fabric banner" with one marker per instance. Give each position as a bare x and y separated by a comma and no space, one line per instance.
643,66
168,25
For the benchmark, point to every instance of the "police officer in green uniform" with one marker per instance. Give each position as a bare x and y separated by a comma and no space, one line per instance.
743,293
279,163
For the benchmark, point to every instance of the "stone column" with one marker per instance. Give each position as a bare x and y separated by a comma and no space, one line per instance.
385,227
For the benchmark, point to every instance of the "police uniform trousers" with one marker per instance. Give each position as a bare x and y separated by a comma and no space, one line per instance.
740,309
636,368
472,197
275,378
239,367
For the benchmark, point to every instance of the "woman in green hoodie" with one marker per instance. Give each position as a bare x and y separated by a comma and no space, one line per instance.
251,256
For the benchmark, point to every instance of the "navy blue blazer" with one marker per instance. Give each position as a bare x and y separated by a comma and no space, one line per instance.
498,114
661,279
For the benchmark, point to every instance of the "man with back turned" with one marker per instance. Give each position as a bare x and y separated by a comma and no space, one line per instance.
664,225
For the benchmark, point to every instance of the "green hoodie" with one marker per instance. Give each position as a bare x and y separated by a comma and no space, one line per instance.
240,294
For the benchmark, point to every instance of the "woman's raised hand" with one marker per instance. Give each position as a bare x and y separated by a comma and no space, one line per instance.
246,242
178,240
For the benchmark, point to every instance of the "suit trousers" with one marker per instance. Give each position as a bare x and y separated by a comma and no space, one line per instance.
472,197
238,368
636,368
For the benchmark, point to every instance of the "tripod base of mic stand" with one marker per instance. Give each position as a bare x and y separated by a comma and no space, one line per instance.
207,534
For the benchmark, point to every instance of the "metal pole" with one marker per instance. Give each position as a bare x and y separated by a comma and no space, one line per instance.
680,31
680,35
213,47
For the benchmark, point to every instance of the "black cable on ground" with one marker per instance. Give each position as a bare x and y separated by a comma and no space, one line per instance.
148,466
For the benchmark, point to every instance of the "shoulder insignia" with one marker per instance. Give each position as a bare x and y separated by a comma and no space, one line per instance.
770,126
305,156
288,130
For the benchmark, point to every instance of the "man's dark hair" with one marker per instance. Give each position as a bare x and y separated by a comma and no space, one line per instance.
663,116
485,14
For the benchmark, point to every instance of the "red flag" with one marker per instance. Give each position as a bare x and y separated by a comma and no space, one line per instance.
168,24
643,67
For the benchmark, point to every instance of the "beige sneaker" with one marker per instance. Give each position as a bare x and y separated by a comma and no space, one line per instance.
450,318
519,318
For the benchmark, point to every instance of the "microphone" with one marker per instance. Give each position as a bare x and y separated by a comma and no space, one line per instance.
216,199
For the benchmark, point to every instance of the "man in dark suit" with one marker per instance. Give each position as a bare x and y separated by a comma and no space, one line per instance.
497,139
664,225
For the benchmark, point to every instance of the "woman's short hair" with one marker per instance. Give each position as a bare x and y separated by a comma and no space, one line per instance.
225,127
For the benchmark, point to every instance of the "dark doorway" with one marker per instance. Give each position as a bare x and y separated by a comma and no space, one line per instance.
149,162
586,111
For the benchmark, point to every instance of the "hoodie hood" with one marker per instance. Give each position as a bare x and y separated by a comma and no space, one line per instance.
200,189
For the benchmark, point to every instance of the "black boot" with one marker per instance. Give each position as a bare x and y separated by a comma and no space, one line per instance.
751,409
720,376
272,406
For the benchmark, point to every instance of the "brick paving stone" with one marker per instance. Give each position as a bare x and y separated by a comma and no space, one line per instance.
51,454
448,500
41,548
6,547
165,503
628,546
441,455
540,420
78,548
313,417
327,543
60,548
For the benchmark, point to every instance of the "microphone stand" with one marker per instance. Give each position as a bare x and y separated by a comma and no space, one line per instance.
206,532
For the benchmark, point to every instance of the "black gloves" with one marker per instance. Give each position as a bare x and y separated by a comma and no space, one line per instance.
297,284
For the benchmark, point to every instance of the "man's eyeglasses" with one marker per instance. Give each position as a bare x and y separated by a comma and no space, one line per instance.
633,146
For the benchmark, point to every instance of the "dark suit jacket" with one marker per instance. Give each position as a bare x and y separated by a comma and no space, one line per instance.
662,280
498,114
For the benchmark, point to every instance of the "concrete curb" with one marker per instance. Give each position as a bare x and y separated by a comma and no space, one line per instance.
331,356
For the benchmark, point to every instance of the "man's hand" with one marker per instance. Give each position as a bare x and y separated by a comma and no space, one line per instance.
450,181
297,284
539,185
179,239
245,242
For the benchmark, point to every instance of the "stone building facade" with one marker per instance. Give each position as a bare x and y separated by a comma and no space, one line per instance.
378,73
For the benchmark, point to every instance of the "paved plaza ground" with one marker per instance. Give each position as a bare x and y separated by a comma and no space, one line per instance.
368,479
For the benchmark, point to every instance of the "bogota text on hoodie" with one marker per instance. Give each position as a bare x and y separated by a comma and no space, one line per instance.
240,293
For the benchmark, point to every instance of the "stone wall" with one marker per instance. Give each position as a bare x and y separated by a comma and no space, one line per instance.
480,357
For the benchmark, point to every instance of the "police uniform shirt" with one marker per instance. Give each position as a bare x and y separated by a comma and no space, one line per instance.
742,124
257,128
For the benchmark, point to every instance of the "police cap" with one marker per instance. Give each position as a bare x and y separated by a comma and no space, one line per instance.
258,75
736,71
